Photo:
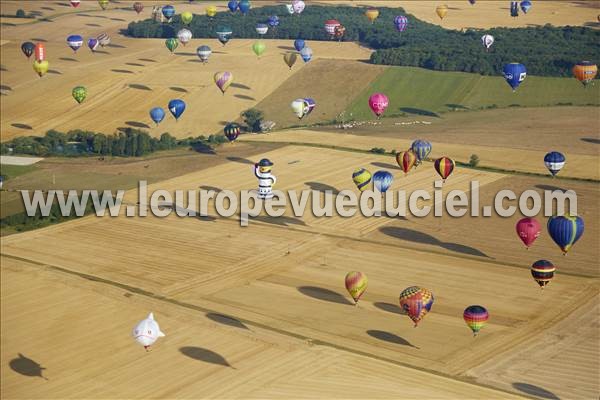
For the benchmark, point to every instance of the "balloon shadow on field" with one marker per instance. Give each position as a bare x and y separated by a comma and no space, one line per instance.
122,71
147,60
38,40
46,8
240,86
117,19
389,307
21,126
136,124
54,71
419,111
226,320
208,356
550,188
280,221
385,165
63,4
101,52
389,337
135,64
324,295
195,61
115,46
287,48
186,54
456,106
178,89
243,97
322,187
68,59
93,25
535,390
211,188
240,160
3,68
424,238
139,87
590,140
203,148
26,366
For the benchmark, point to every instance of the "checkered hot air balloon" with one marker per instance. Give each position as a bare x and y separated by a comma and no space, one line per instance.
416,302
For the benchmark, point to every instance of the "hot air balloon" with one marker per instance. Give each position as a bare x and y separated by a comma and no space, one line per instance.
565,231
528,230
289,8
79,94
157,114
299,44
75,42
514,73
421,148
204,53
171,44
177,107
273,21
416,302
309,105
543,272
406,160
585,72
487,41
444,166
40,52
554,161
514,8
361,178
382,180
259,48
168,12
378,103
244,6
298,6
103,39
372,14
339,32
356,284
75,3
525,6
93,44
298,108
231,131
290,59
330,26
262,29
472,2
147,331
187,17
306,54
184,36
41,67
223,80
138,7
475,317
103,4
441,11
224,34
211,11
28,48
232,5
400,22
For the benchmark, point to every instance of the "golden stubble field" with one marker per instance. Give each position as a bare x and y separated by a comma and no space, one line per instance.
291,329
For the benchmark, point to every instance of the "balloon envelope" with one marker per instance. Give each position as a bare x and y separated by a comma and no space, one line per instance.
299,44
290,59
223,80
416,302
475,317
356,284
554,161
147,331
382,180
184,36
244,6
262,29
171,44
28,48
75,3
168,12
585,72
514,73
361,178
231,131
204,53
372,14
441,11
298,6
187,17
421,148
487,41
103,4
232,5
177,107
378,103
330,26
138,6
406,160
542,272
41,67
306,54
528,230
93,44
565,231
525,6
273,21
75,42
400,22
157,114
40,52
211,11
444,166
79,94
103,39
259,48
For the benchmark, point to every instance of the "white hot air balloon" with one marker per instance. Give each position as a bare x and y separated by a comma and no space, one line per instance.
146,332
184,36
290,8
298,108
298,6
487,41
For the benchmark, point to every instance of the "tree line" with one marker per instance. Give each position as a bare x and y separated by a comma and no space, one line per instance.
545,50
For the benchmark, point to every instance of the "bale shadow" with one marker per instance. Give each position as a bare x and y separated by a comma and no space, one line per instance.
139,87
280,221
240,160
21,126
322,187
68,59
201,354
240,86
54,71
115,46
550,187
243,97
147,60
135,64
385,165
122,71
178,89
226,320
411,235
26,366
389,307
534,390
590,140
389,337
324,295
419,111
136,124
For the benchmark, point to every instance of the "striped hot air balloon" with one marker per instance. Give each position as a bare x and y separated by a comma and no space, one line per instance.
362,179
475,317
40,52
416,302
203,53
330,26
406,160
585,72
356,284
103,39
543,272
75,42
444,167
421,148
554,161
565,231
231,131
223,80
400,22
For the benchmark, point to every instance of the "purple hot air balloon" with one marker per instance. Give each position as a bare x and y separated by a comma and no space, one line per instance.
93,44
401,22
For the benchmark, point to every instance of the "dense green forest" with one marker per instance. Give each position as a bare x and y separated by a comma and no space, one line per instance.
545,51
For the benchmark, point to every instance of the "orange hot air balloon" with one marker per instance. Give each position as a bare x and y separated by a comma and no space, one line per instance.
585,72
441,11
40,52
372,14
406,160
356,284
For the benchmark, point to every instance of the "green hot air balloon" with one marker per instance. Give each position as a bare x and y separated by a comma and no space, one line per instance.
259,48
171,44
79,94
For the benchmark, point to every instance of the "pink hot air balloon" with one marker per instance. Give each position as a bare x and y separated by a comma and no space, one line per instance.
378,103
528,230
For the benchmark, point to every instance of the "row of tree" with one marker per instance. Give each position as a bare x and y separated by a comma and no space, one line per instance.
546,51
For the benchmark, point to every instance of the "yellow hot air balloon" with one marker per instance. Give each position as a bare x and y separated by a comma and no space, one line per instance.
372,14
211,11
441,11
223,80
103,4
361,178
290,59
356,284
41,67
187,17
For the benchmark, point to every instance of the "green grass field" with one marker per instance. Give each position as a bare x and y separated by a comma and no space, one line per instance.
420,91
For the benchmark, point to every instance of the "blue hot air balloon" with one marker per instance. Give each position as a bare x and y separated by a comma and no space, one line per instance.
565,231
244,6
299,44
273,21
177,107
554,161
157,114
75,42
233,5
168,12
525,6
514,73
421,148
382,180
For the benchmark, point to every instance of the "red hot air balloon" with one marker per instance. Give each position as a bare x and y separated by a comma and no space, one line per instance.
75,3
444,166
378,103
528,230
40,52
330,26
138,7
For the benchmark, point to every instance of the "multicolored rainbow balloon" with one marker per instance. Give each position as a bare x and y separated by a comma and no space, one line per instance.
416,302
475,317
356,284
